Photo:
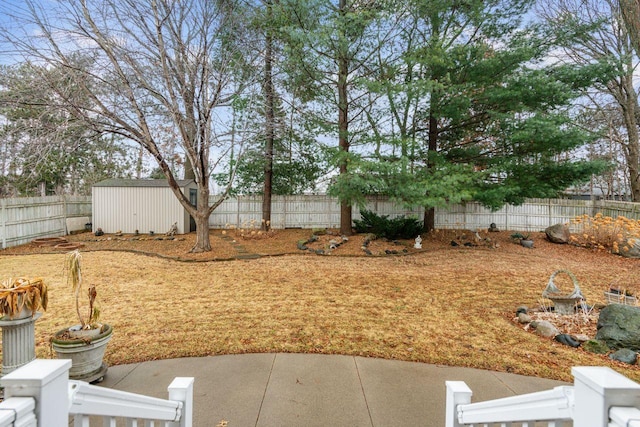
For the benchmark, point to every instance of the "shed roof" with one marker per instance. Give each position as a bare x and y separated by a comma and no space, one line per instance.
140,183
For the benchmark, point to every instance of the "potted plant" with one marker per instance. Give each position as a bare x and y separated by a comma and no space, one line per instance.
22,298
84,343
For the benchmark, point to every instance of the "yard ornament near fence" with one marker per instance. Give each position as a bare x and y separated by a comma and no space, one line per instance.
418,244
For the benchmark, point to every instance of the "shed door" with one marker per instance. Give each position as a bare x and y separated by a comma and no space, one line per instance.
193,199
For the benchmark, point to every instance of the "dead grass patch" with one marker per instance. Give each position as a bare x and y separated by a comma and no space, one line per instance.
443,305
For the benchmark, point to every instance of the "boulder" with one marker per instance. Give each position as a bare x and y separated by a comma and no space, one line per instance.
619,326
558,233
632,249
545,328
625,355
524,318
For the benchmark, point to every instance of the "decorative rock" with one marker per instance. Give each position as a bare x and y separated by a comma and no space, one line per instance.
558,233
581,338
596,346
522,309
367,251
633,250
545,328
625,355
524,318
527,243
619,326
302,245
567,339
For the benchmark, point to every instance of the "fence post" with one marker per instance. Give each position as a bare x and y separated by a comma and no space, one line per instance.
46,381
596,390
458,393
181,389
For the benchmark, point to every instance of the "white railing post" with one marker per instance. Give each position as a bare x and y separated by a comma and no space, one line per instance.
45,381
458,393
596,390
181,389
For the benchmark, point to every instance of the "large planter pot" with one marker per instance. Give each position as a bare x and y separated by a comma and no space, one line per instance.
86,353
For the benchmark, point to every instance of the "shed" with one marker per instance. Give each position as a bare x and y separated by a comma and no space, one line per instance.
145,205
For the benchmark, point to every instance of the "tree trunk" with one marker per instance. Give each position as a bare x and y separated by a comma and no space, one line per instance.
632,153
628,100
201,217
631,15
343,128
269,124
429,212
139,162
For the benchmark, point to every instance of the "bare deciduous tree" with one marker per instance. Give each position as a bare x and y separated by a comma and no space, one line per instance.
609,39
152,64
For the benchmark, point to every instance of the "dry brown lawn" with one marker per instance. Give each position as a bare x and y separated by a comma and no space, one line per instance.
443,305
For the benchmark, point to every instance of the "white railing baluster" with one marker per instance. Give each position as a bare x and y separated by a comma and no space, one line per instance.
81,421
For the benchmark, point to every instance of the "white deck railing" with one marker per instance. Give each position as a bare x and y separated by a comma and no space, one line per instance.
40,394
600,397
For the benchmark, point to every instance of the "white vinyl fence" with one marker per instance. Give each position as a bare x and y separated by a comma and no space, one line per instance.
27,218
319,211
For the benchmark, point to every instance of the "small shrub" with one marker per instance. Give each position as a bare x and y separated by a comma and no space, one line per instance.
382,226
604,232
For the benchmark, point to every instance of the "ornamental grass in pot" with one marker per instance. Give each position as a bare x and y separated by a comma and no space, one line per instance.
22,298
84,343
